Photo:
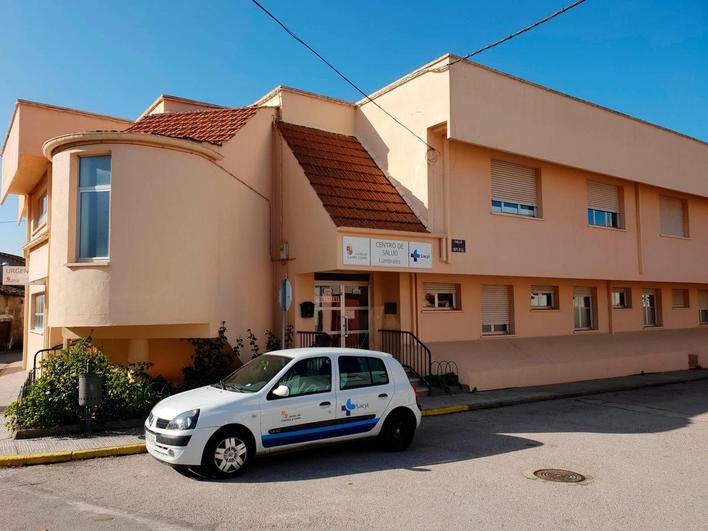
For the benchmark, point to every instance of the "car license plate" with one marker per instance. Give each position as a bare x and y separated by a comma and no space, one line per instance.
150,438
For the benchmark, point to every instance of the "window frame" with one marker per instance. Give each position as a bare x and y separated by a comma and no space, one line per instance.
552,290
514,209
39,218
371,374
702,312
436,292
686,298
578,316
271,396
627,298
35,313
684,215
614,217
103,188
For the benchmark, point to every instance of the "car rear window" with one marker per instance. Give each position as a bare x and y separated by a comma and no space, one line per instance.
361,371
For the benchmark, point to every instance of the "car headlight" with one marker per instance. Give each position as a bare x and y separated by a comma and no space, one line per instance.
150,417
184,421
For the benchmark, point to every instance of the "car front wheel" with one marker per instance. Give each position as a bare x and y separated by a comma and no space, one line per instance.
227,454
398,431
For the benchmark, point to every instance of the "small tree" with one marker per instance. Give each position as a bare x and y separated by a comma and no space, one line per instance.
213,359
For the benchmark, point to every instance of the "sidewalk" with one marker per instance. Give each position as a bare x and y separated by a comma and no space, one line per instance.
441,405
130,441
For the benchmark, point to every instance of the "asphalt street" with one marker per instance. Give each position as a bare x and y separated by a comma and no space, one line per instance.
644,452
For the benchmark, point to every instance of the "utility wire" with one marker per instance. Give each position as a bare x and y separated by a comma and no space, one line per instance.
339,72
421,72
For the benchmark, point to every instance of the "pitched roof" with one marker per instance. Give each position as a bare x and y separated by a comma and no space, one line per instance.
352,188
213,126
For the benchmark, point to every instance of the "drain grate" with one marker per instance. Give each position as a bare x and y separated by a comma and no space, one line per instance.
558,475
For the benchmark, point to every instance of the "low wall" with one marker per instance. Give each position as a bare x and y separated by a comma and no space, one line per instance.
497,363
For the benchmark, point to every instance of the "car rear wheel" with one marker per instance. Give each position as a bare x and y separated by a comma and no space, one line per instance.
227,453
398,431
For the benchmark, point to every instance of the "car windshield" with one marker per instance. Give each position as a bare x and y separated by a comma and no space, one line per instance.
255,374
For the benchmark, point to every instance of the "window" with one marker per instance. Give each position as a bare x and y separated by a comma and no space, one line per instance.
679,298
496,310
703,306
94,207
674,218
38,312
441,296
361,371
604,205
650,307
514,189
42,207
544,297
584,308
621,298
308,376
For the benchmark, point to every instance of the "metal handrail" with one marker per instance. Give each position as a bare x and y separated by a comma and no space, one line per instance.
307,338
407,349
33,374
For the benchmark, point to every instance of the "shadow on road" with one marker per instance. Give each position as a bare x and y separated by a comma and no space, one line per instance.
486,433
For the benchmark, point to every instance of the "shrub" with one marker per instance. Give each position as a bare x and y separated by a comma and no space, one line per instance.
53,399
213,359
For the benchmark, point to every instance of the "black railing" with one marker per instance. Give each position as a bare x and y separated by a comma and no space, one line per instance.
32,375
407,349
314,339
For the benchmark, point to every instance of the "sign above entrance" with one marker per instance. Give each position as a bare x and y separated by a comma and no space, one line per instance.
386,253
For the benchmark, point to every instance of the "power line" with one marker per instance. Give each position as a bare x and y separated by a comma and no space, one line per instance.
339,72
512,35
424,71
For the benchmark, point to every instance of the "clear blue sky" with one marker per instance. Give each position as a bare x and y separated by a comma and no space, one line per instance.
647,58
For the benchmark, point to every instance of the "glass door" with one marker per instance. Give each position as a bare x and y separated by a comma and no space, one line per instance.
649,307
342,312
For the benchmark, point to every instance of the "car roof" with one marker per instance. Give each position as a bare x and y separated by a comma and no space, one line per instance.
296,353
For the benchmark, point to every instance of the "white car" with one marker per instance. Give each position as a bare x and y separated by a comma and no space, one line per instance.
283,400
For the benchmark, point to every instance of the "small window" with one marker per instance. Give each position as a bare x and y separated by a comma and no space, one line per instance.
496,309
308,376
38,312
604,205
544,297
602,218
361,371
679,298
703,306
621,298
42,208
674,217
441,296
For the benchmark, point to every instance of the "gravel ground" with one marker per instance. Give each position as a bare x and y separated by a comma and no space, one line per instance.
644,452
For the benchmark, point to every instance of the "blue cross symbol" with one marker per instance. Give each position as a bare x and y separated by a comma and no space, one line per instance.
415,255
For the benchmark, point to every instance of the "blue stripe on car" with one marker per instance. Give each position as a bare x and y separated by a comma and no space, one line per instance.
316,434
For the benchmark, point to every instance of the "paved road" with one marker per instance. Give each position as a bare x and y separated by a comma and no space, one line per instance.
646,453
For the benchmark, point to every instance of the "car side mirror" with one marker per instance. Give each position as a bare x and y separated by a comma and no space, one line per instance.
281,391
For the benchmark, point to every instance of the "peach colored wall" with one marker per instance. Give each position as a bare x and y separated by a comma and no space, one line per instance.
492,109
520,246
419,104
38,262
320,113
188,244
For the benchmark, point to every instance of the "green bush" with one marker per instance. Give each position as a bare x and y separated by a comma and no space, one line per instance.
213,359
53,399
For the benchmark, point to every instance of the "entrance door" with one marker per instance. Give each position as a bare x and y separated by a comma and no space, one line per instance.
342,311
649,306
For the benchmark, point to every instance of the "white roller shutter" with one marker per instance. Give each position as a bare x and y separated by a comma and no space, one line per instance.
582,291
602,196
679,298
514,183
703,299
430,287
672,217
496,305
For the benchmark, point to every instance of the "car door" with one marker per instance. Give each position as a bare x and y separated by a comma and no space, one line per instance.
364,391
305,414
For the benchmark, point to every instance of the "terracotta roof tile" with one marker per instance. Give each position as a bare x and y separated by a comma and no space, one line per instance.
352,188
213,126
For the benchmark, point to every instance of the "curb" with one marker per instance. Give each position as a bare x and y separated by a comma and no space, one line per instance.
70,455
462,408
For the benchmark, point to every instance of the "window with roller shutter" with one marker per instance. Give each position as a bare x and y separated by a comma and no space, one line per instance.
703,306
496,310
604,205
514,189
674,219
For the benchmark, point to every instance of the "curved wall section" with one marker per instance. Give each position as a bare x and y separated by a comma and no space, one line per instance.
189,244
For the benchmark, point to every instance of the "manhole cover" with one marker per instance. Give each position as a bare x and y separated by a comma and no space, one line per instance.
561,476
